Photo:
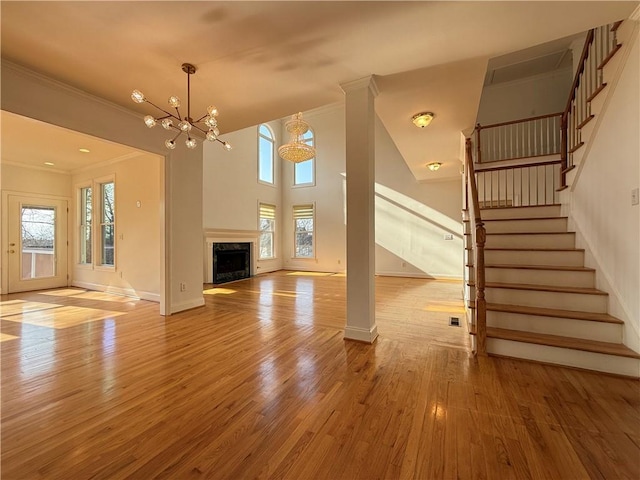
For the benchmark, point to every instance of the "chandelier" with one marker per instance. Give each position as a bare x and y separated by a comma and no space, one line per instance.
208,122
297,150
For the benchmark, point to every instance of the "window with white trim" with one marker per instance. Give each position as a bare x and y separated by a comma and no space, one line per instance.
267,229
266,148
304,172
303,222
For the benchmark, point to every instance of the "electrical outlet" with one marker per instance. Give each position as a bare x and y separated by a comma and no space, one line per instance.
635,196
448,236
183,287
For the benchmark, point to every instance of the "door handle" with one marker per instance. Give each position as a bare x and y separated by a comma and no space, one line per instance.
12,244
11,251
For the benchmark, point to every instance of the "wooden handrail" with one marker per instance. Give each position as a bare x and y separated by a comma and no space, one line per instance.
576,78
480,240
520,165
521,120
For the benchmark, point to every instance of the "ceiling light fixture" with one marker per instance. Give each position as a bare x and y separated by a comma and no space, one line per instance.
51,164
183,124
297,150
422,119
434,166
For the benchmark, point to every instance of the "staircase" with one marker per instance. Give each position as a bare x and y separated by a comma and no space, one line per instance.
542,303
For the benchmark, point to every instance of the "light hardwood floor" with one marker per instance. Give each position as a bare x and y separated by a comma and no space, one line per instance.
259,383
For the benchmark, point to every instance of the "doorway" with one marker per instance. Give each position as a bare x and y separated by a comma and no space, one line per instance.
37,248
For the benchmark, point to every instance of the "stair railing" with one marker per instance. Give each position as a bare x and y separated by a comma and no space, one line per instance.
479,236
600,46
524,138
522,185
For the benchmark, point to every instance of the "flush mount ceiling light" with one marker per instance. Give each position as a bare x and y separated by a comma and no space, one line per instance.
433,166
297,150
422,119
187,123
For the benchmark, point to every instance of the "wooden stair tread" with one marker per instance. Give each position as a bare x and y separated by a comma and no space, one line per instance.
563,268
536,249
520,218
554,312
542,288
531,233
606,348
522,206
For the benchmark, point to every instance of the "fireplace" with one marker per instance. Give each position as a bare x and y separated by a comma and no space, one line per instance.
231,261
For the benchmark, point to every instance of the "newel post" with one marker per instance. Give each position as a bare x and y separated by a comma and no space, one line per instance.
564,150
479,154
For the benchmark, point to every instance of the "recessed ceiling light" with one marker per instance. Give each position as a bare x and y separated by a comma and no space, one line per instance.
84,150
51,164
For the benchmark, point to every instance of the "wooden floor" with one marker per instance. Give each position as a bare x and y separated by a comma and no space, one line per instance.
259,383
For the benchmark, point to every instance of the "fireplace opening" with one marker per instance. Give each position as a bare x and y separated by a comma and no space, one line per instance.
231,261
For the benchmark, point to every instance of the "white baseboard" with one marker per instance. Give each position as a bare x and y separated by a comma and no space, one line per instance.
126,292
361,334
419,275
188,305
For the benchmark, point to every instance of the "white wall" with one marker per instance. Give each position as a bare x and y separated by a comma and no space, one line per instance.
138,229
527,97
413,218
600,201
231,191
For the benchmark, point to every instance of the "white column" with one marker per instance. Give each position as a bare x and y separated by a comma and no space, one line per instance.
360,154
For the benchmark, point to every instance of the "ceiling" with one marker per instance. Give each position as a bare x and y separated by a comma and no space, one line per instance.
263,60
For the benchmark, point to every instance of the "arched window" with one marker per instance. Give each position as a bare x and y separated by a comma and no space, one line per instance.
304,172
266,146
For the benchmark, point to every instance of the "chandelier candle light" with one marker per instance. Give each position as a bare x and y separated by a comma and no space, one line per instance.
297,150
184,124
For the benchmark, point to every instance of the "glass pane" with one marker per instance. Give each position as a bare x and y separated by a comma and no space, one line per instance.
108,235
85,244
304,244
304,224
265,162
264,130
108,203
266,245
86,206
267,225
38,227
303,172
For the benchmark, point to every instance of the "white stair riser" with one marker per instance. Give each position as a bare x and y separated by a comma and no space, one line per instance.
564,327
523,240
541,225
573,258
556,278
521,212
565,356
560,300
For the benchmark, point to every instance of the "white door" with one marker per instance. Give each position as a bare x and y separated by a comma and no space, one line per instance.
37,243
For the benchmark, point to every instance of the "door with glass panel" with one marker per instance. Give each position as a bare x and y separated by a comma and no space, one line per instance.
37,253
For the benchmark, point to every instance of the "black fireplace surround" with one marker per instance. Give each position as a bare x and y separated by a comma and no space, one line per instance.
231,261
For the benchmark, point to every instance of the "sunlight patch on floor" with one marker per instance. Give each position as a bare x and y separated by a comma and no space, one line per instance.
64,316
218,291
90,295
15,307
5,336
448,307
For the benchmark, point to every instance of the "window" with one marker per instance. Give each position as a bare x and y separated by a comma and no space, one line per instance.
86,216
107,224
266,146
303,231
267,230
303,172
